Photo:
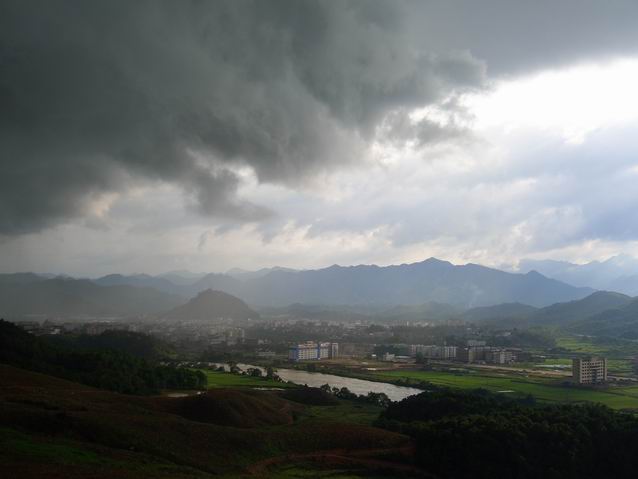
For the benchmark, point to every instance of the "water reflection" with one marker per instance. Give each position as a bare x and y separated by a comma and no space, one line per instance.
357,386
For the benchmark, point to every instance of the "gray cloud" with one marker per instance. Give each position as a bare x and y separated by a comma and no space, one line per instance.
514,37
97,96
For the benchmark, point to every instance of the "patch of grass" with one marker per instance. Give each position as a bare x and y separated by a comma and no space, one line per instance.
611,348
218,379
344,412
16,444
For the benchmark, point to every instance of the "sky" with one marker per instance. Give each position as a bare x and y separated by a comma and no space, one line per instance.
151,136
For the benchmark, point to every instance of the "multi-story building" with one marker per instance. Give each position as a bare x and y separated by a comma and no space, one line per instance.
433,352
485,353
499,356
313,351
589,370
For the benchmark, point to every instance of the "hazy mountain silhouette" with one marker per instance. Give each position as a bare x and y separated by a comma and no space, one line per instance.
243,274
618,273
139,280
563,313
597,307
430,282
407,284
182,277
75,297
209,305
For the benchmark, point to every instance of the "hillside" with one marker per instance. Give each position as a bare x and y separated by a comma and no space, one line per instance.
209,305
73,297
58,429
620,322
564,313
430,311
500,312
556,315
118,361
232,407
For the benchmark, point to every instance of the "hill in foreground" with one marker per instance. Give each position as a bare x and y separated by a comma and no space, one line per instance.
54,428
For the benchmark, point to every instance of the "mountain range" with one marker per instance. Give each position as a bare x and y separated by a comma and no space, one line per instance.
618,273
432,280
418,285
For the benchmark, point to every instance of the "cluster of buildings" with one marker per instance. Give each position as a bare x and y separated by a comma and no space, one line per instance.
474,351
311,350
477,351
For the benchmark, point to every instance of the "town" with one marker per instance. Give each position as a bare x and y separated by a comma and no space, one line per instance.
361,347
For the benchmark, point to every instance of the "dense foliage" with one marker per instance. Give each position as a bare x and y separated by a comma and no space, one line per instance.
135,344
480,435
100,367
378,399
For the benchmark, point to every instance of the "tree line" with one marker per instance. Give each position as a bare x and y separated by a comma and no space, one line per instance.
101,365
480,434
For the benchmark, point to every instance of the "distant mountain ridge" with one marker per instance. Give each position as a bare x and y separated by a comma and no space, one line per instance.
408,284
34,295
602,312
428,282
618,273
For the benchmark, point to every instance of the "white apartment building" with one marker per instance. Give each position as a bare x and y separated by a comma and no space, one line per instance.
313,351
589,370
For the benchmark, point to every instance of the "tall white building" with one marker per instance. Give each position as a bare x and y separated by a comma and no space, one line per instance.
590,370
313,351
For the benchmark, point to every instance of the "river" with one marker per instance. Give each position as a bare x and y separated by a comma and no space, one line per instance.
357,386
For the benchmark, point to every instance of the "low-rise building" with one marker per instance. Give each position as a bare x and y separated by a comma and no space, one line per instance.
387,357
591,370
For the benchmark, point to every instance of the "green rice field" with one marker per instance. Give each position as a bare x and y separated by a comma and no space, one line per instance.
549,390
218,379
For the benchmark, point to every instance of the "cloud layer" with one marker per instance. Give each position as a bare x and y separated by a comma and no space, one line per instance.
97,96
155,135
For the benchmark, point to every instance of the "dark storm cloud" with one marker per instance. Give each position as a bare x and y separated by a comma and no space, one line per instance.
97,96
514,36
